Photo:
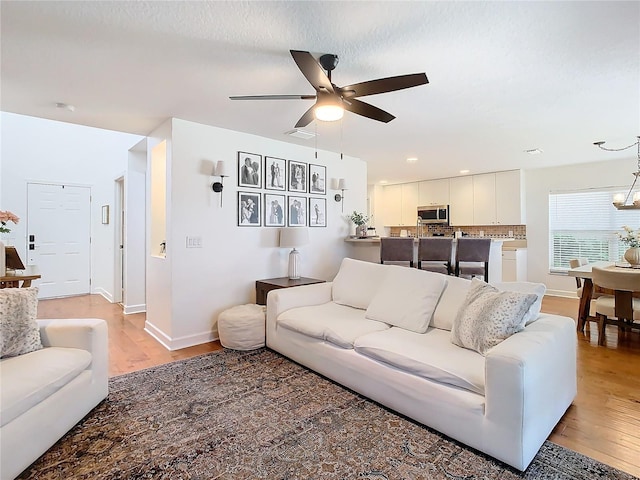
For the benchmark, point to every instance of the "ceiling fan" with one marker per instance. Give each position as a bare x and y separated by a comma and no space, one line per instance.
331,100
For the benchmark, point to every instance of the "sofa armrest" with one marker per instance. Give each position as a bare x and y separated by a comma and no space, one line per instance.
283,299
89,334
530,378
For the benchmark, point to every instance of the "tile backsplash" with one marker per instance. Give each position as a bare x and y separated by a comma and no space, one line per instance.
494,231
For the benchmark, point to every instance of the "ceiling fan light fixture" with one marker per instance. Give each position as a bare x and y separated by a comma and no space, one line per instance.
328,108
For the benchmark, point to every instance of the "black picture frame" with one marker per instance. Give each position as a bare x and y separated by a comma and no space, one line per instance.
297,177
275,173
296,211
249,214
249,170
275,214
317,212
317,179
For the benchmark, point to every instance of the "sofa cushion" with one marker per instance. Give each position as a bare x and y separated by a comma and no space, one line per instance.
452,298
19,332
489,316
429,355
334,323
357,282
407,298
526,287
30,378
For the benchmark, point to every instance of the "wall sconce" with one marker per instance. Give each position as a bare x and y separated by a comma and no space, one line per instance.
219,171
339,184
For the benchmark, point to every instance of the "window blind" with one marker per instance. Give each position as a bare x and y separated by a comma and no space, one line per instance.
586,224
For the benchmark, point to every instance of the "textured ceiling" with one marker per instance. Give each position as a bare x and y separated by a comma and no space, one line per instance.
504,76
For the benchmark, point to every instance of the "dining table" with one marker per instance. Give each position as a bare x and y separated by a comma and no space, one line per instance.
585,272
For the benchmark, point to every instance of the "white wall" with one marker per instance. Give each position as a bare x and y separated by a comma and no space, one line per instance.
38,150
539,183
222,273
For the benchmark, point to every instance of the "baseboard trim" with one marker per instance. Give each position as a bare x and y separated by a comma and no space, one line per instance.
180,342
561,293
104,293
129,309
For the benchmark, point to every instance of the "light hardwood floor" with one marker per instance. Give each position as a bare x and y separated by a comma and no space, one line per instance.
603,422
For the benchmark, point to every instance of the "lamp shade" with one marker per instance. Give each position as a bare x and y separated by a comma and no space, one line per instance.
221,169
342,184
294,237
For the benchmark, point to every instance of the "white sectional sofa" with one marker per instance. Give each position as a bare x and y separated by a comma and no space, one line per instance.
504,403
46,392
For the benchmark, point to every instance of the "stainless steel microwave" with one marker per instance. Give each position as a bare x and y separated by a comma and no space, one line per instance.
433,214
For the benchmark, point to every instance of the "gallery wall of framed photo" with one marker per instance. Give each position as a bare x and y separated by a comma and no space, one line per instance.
274,192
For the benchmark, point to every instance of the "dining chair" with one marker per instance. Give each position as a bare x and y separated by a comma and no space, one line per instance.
575,263
396,250
470,252
434,254
621,308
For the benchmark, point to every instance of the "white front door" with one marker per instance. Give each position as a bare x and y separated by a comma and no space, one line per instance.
59,238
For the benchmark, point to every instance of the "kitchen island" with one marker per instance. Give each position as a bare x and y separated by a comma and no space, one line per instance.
368,250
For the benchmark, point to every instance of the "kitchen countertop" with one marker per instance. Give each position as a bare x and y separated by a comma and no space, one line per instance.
376,240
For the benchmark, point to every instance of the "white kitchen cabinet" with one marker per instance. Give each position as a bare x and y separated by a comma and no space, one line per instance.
433,192
484,199
514,265
509,201
461,201
392,205
409,204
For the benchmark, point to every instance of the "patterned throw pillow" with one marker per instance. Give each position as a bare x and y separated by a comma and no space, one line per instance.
488,316
19,332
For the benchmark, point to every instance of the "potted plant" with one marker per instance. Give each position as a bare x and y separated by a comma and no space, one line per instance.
631,238
360,221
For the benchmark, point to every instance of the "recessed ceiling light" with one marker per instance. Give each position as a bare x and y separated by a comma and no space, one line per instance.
65,106
533,151
383,182
412,159
464,172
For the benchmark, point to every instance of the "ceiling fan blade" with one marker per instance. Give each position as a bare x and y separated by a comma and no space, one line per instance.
312,71
273,97
383,85
366,110
307,118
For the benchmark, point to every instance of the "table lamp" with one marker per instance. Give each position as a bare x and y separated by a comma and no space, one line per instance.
294,237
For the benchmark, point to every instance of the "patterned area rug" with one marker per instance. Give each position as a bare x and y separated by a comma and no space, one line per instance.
252,415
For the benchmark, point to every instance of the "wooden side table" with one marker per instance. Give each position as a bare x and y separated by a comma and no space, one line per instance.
263,287
14,278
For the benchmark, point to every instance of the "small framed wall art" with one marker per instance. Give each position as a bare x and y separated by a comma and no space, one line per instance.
249,170
105,214
249,209
297,176
275,173
318,176
274,210
317,212
297,211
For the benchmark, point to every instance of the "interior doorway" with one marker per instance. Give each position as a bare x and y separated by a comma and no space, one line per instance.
119,287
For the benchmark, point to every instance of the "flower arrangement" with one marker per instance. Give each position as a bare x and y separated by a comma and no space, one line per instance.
7,216
358,219
630,237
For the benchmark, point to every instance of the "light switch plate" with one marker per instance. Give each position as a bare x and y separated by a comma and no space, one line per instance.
194,242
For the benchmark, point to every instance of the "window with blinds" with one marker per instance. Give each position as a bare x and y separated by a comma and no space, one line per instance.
586,224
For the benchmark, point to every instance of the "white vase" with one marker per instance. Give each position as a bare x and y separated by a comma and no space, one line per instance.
632,255
3,260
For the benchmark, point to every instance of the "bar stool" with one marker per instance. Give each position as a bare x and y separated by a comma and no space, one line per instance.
621,304
396,250
434,254
473,250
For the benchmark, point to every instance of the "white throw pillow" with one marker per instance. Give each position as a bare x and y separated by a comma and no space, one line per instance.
489,316
357,282
19,331
450,302
407,298
538,289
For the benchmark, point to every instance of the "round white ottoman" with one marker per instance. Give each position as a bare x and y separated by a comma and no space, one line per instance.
242,327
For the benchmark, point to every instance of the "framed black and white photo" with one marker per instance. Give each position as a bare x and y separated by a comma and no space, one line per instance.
297,211
317,212
249,170
274,210
275,177
249,214
318,176
297,176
